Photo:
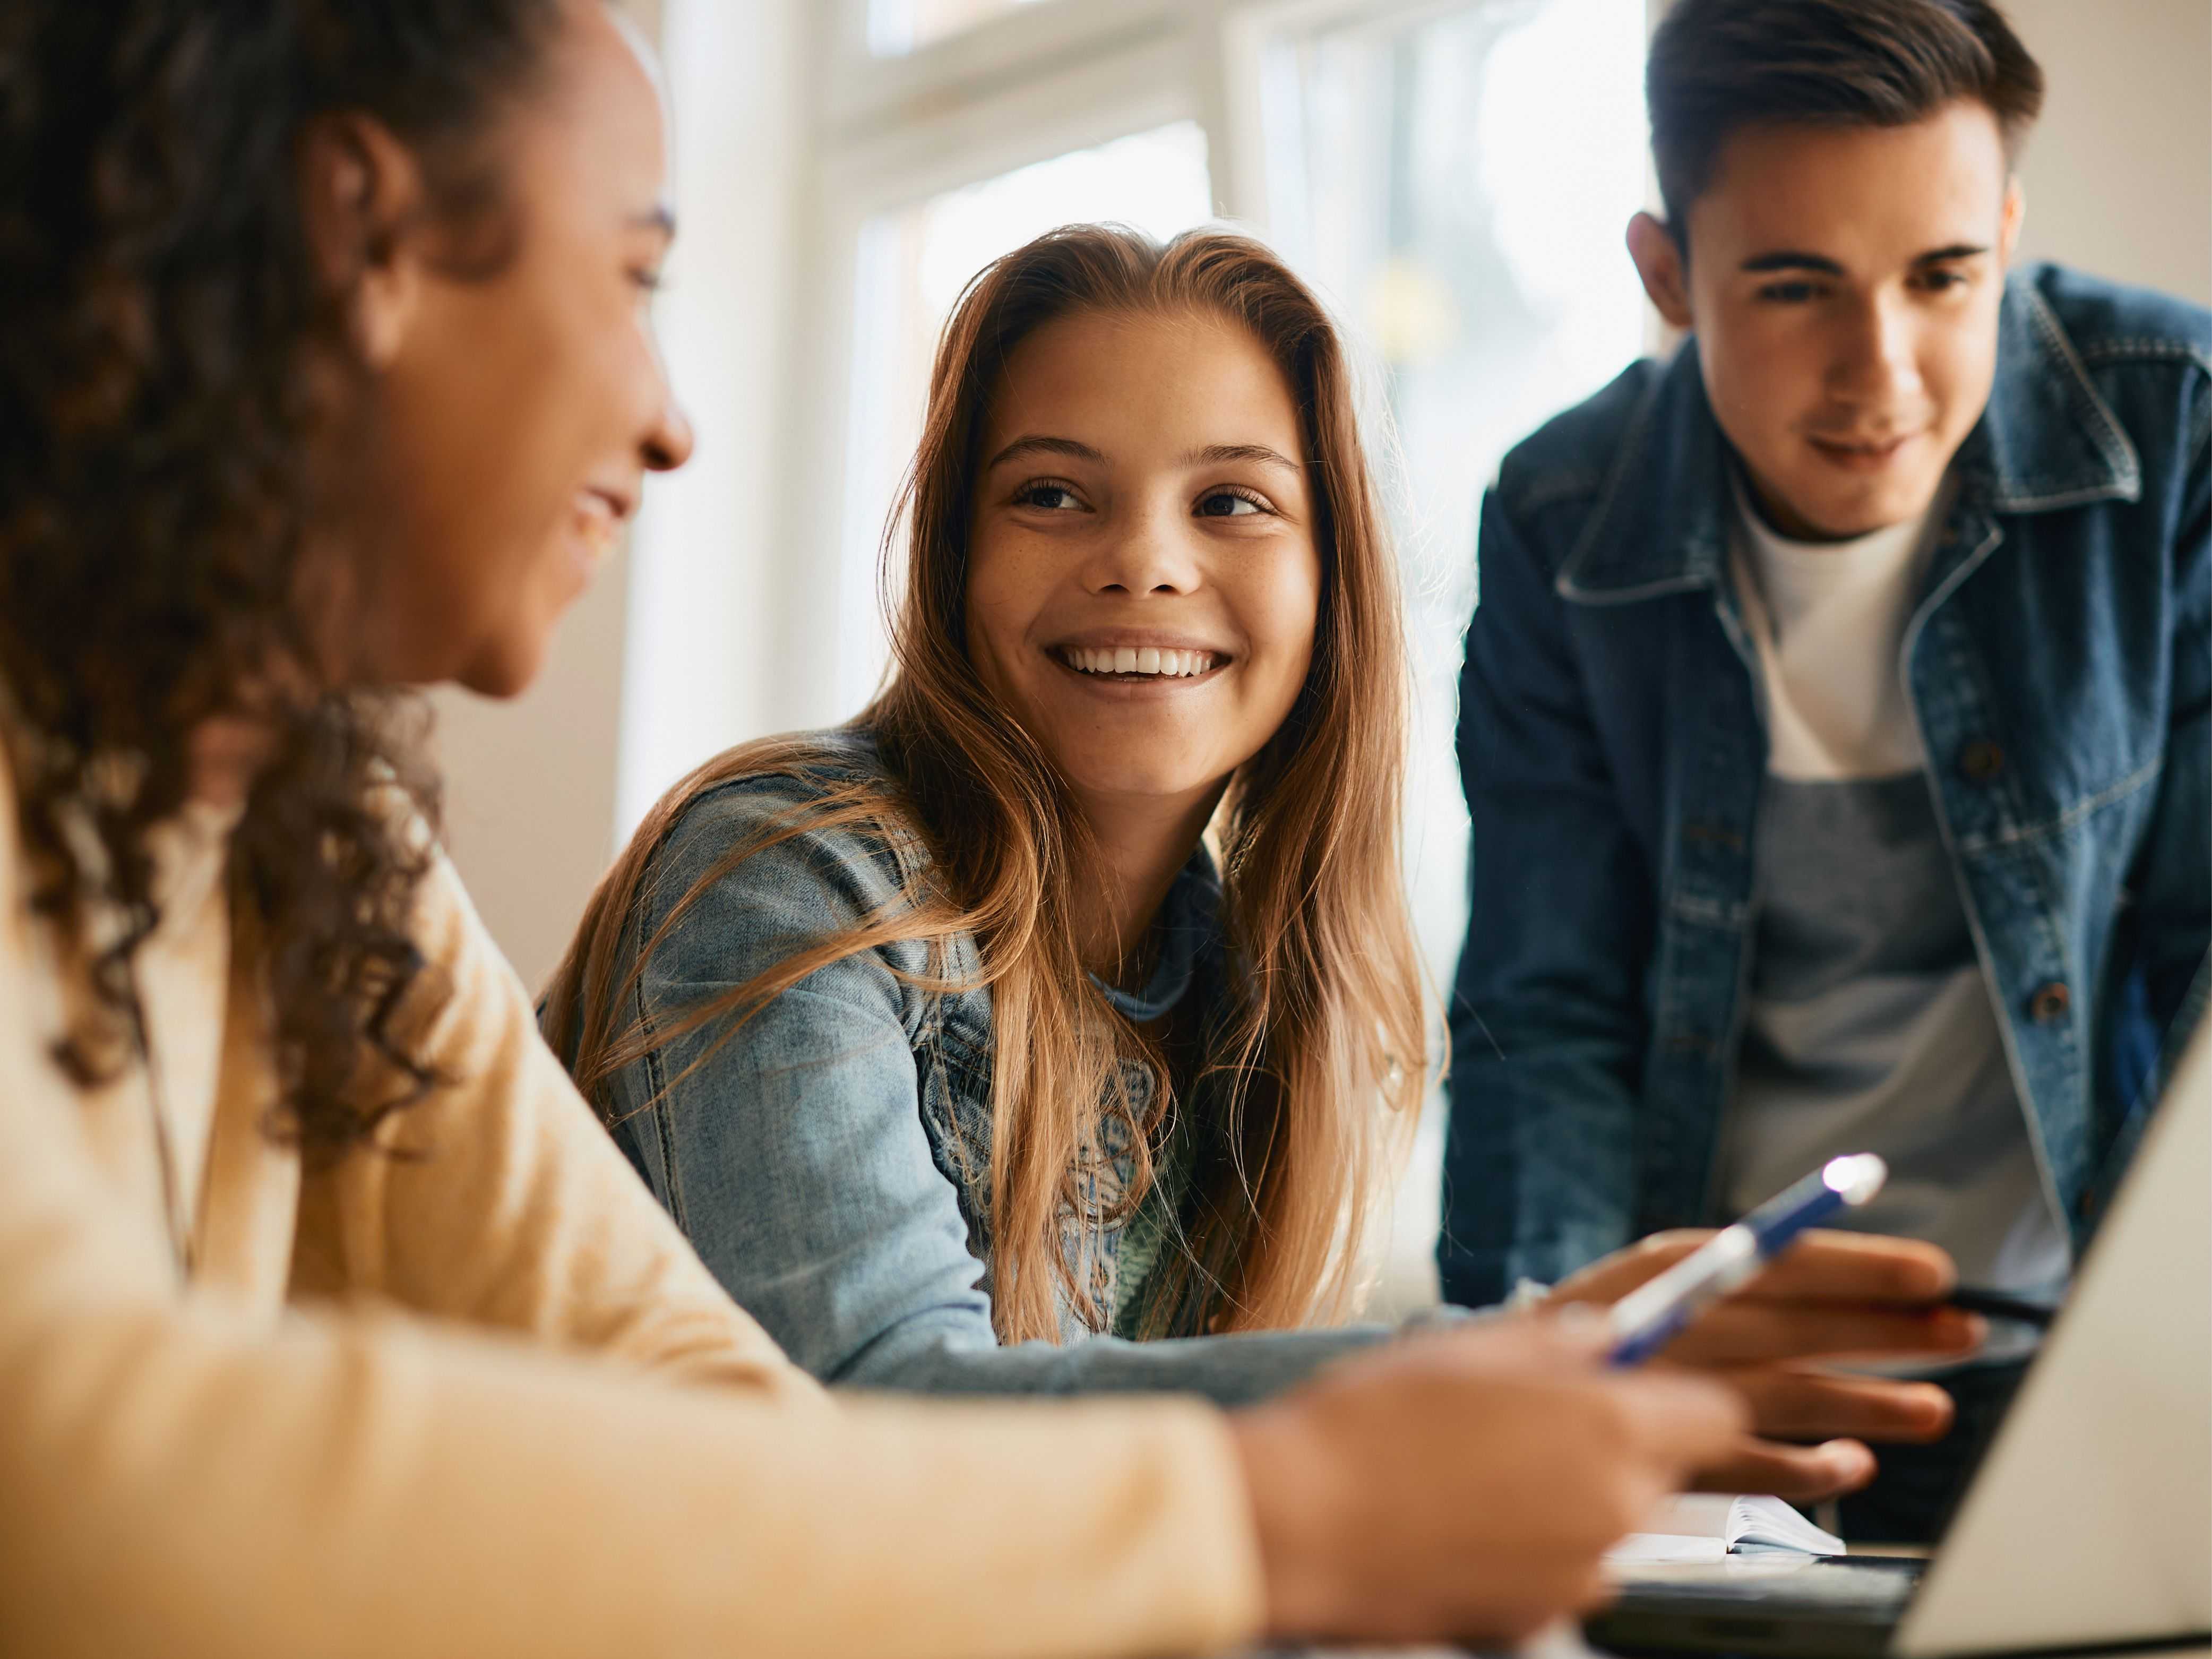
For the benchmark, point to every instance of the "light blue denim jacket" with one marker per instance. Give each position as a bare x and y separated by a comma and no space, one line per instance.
2059,666
830,1162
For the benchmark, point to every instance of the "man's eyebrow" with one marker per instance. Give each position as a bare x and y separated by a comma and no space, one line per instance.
1036,444
1218,454
660,216
1956,250
1792,260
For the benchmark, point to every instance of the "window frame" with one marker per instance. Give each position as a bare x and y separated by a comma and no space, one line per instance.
891,131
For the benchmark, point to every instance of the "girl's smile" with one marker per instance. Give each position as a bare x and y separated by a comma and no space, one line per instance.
1171,662
1143,581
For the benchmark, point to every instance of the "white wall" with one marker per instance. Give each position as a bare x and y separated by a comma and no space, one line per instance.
677,653
2119,176
530,785
669,658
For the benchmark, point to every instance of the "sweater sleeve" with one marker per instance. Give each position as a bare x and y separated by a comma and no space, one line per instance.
498,1199
183,1477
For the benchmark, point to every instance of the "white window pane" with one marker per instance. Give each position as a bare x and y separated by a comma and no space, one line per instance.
914,263
897,26
1460,186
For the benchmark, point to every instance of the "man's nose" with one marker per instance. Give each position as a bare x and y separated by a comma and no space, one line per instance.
1876,363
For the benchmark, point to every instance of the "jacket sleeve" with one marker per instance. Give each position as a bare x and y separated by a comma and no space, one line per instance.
796,1158
1548,1025
181,1476
2172,881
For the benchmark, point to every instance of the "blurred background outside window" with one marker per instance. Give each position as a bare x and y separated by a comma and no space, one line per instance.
898,26
1453,175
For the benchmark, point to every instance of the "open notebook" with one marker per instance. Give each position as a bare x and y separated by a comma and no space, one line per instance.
1705,1527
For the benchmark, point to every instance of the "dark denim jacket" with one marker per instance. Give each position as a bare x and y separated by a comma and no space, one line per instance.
830,1162
1611,744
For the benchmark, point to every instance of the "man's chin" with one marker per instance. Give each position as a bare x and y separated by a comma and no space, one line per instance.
1839,516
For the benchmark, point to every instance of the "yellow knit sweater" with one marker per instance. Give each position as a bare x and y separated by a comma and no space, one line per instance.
484,1400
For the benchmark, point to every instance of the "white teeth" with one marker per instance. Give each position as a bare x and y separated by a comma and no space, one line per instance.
1139,660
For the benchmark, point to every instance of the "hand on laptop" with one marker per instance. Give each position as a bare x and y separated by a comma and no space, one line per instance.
1834,1296
1465,1484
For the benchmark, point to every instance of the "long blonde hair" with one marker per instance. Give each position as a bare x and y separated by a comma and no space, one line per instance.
1317,1067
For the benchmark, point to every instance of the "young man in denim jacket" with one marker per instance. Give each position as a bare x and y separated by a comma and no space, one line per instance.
1834,720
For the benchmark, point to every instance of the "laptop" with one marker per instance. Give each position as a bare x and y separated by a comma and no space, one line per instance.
2088,1525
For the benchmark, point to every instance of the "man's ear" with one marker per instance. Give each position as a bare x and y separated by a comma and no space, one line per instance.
362,195
2009,223
1659,262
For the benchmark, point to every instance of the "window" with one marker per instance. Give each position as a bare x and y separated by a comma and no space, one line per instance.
1453,175
912,263
1459,182
896,27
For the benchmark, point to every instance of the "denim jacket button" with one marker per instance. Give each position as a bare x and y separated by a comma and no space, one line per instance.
1981,761
2050,1003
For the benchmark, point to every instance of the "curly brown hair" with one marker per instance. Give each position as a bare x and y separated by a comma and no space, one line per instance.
172,360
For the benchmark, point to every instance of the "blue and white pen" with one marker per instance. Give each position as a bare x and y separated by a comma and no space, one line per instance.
1649,1317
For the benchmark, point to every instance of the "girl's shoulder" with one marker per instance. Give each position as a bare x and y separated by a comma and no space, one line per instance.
815,815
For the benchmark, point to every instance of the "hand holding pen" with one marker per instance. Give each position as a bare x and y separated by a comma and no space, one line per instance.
1832,1296
1652,1317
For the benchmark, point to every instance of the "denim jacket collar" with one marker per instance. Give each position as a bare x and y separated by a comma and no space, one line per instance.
1186,925
2045,440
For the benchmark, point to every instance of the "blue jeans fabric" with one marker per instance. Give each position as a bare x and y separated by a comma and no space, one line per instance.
1611,741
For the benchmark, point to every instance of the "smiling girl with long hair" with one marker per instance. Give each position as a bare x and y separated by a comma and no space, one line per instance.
1069,993
963,975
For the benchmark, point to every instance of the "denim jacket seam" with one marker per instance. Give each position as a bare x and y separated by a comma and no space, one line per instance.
1727,915
1966,669
2144,348
2017,835
656,1111
1555,486
2113,440
1616,476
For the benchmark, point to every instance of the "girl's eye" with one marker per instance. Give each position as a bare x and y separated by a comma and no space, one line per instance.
648,281
1229,504
1047,495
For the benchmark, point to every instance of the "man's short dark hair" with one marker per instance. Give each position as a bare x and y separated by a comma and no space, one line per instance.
1718,66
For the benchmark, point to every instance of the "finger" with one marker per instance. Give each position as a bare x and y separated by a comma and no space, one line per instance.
1793,1403
1837,1266
1753,1332
1571,1338
1577,1332
1597,1589
1801,1474
1610,1278
1677,1421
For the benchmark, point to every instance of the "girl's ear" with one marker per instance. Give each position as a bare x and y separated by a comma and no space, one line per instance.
363,193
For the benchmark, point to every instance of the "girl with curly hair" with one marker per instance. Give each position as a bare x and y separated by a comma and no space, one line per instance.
331,1322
